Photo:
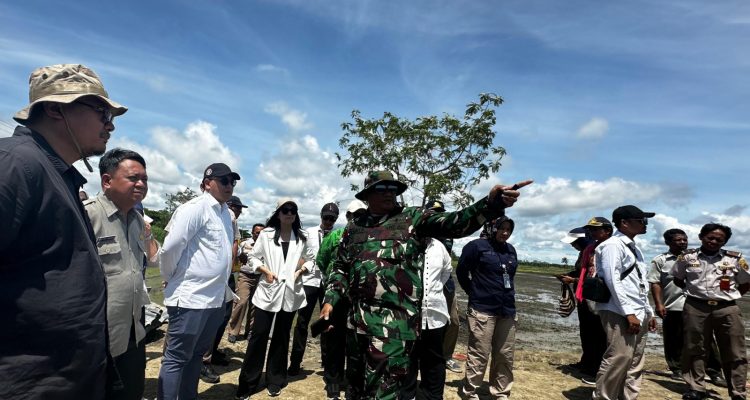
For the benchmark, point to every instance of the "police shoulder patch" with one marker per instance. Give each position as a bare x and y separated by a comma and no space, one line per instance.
732,253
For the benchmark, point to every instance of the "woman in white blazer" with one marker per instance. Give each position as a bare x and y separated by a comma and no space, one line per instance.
281,255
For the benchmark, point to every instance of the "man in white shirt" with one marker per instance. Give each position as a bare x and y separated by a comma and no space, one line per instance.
627,316
195,262
427,356
312,283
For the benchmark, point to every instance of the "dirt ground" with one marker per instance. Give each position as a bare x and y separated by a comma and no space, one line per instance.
538,375
545,343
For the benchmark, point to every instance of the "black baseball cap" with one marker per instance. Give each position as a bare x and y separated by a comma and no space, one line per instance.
629,212
235,201
218,170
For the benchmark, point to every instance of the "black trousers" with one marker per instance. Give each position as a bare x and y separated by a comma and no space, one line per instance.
593,339
334,358
313,296
128,382
426,358
255,357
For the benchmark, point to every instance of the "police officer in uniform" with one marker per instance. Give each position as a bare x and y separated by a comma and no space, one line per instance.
713,279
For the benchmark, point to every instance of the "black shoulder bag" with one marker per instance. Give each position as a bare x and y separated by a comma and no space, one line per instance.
595,289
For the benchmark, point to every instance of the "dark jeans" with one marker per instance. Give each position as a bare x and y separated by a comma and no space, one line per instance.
593,339
426,358
255,357
335,356
131,372
220,332
299,342
190,335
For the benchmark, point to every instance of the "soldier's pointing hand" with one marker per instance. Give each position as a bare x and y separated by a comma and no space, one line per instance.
509,194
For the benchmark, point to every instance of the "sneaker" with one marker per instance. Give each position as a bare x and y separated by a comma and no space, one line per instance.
232,338
273,390
453,366
208,374
589,380
676,375
718,380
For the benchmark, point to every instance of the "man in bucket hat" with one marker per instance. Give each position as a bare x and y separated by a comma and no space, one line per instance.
378,266
53,333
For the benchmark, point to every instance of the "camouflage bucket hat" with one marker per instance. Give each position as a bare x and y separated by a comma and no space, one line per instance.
65,83
375,177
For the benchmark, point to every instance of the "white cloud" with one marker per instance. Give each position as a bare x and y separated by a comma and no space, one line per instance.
7,127
271,68
295,120
560,195
593,129
195,148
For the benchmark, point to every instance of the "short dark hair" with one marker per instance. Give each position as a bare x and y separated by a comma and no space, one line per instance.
712,226
255,225
670,233
112,159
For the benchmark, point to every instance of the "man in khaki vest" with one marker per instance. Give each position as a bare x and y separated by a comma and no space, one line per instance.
122,238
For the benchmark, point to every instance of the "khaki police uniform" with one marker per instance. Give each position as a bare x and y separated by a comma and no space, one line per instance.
121,242
711,286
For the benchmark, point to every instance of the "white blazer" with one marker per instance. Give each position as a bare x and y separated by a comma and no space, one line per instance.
285,293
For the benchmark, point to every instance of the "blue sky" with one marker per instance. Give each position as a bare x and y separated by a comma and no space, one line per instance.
606,104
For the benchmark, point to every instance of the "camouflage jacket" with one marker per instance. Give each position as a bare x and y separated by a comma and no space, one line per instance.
380,260
327,251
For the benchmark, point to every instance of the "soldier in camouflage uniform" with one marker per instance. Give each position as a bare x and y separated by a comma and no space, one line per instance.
378,268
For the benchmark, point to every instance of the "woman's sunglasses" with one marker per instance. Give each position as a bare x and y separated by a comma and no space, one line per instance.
288,210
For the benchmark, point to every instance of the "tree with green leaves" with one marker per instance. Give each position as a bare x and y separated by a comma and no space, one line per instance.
438,157
174,200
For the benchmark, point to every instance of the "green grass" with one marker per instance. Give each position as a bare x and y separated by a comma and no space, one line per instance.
153,280
544,269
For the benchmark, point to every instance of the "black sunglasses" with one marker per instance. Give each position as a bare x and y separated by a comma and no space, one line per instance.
226,181
328,218
106,113
288,210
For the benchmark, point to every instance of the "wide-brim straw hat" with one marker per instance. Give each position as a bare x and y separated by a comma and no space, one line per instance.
65,83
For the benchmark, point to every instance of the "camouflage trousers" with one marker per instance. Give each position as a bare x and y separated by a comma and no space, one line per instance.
377,367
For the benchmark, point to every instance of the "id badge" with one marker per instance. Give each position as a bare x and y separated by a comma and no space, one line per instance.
724,283
506,280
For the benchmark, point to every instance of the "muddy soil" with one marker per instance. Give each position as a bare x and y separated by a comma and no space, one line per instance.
545,343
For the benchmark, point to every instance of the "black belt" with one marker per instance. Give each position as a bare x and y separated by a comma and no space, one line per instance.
713,302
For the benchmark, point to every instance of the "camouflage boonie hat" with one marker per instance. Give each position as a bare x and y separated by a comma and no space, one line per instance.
65,83
375,177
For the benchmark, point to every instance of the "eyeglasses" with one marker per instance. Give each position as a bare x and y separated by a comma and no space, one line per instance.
226,181
386,188
288,210
329,218
644,221
106,113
